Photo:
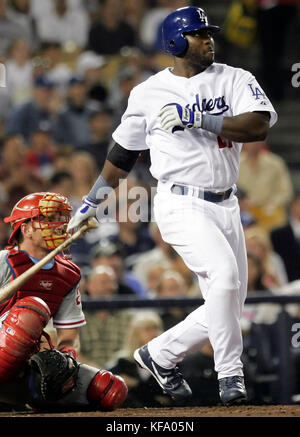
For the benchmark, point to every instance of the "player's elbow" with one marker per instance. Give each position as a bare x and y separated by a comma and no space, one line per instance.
258,132
259,127
262,131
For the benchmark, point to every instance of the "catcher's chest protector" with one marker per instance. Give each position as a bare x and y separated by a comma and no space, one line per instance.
50,285
20,334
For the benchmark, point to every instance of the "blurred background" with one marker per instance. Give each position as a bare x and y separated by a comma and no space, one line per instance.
70,66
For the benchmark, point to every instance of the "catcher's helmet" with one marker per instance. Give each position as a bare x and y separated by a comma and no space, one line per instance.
47,210
182,21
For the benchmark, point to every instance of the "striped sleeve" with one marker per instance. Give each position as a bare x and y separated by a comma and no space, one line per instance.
70,314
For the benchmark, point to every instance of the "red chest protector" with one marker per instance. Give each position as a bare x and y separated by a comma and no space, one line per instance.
50,285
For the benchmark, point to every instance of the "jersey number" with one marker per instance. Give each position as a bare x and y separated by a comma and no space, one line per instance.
224,143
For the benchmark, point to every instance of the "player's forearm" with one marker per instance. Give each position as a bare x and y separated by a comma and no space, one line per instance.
113,174
245,128
118,164
68,338
108,180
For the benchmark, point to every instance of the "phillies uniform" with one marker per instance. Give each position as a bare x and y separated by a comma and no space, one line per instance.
51,293
56,283
207,234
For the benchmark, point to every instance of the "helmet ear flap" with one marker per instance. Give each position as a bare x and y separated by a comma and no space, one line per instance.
177,45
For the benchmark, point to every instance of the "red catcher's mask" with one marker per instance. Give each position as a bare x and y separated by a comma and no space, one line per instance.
47,212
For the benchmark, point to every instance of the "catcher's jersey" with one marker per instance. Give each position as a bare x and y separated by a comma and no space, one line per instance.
69,314
191,156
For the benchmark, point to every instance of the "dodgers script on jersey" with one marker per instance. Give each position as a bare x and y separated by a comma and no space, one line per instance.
191,156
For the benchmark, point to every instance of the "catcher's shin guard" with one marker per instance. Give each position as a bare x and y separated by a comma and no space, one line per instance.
20,334
107,391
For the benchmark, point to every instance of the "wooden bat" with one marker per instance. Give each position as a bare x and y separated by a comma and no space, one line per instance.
9,289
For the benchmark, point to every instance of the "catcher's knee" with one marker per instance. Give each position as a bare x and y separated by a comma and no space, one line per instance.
107,391
20,334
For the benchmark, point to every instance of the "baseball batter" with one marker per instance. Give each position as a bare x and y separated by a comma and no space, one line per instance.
194,118
50,379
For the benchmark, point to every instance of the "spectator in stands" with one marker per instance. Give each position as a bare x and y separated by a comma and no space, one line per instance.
41,153
153,277
286,241
257,323
28,117
90,65
172,285
19,12
133,12
127,78
72,124
142,391
266,178
161,256
112,254
16,178
158,256
42,7
62,182
83,170
19,72
63,24
10,30
51,62
62,159
246,216
133,234
110,33
256,283
103,335
258,243
100,123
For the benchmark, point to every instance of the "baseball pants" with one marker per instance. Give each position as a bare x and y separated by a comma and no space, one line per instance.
210,239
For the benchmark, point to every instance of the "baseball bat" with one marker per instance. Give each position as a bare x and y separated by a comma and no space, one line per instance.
9,289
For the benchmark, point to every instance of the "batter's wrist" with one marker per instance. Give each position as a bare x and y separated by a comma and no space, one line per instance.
197,119
98,191
212,123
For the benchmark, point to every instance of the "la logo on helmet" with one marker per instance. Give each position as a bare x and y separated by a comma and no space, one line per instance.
202,16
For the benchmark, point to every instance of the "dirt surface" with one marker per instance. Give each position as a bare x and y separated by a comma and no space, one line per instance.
196,412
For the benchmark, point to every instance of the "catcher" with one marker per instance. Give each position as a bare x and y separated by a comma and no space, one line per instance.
52,378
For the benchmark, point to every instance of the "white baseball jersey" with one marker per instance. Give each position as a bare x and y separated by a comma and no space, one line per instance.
191,156
69,314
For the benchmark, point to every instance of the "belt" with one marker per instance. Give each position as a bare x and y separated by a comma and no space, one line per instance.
205,195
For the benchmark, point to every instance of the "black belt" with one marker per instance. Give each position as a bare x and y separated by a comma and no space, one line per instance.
206,195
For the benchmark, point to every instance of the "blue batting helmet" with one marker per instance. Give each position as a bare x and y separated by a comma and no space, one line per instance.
182,21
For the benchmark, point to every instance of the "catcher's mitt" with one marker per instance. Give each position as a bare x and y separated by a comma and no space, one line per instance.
52,374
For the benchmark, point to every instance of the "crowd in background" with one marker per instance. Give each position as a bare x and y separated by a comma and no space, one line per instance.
70,67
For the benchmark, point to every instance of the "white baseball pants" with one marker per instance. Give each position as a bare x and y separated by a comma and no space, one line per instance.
210,239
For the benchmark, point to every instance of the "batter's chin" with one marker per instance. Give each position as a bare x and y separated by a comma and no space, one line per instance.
203,61
208,62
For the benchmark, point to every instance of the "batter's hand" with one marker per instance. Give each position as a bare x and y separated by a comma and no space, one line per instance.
175,115
86,210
